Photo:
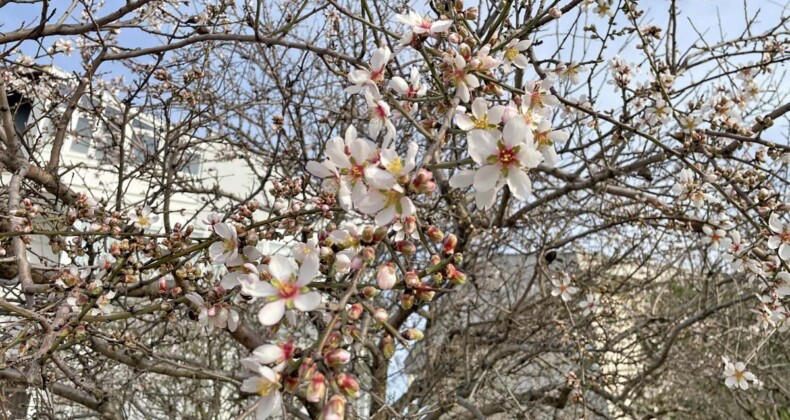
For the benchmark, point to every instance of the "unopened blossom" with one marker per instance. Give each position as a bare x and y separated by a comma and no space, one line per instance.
780,240
736,375
337,357
316,388
386,277
379,117
545,138
287,290
482,122
505,159
213,316
335,408
590,304
348,384
362,78
227,249
145,219
513,55
563,288
266,384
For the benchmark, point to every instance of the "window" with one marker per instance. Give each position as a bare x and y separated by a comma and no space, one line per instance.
82,136
144,141
192,166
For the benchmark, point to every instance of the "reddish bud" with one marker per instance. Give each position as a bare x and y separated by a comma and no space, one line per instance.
379,234
354,312
381,315
367,234
423,182
450,242
348,384
454,275
411,279
352,331
291,383
386,277
337,357
316,389
368,255
335,408
407,301
369,292
435,234
424,293
334,340
406,248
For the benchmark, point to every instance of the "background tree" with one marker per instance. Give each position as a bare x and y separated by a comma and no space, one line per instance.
388,210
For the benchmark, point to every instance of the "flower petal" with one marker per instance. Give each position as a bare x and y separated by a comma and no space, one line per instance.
486,177
280,267
307,302
272,313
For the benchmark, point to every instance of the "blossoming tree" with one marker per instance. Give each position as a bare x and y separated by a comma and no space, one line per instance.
565,208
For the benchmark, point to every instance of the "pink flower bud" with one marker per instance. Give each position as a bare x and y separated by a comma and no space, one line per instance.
369,291
354,312
450,242
337,357
424,293
454,275
368,255
316,389
348,384
411,279
381,315
435,234
386,277
335,408
406,248
352,331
